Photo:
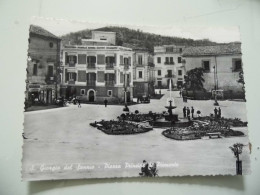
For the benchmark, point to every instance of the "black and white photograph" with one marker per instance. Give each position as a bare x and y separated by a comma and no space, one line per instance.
114,101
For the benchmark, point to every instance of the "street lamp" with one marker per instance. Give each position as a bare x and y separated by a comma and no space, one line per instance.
215,94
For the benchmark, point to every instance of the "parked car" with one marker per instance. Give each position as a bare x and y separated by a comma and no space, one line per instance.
61,101
145,99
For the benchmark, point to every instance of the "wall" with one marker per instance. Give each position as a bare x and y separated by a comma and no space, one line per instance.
227,79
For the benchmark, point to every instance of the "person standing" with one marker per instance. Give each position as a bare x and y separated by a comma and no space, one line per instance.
188,113
184,111
105,102
79,105
219,112
180,93
216,112
192,112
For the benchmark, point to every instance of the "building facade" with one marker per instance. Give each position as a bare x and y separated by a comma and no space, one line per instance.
99,72
168,66
42,82
221,63
143,73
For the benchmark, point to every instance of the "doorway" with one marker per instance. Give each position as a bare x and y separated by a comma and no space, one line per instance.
91,96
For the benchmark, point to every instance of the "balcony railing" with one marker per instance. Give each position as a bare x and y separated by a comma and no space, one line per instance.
91,83
110,66
72,64
169,76
110,83
169,63
91,65
71,81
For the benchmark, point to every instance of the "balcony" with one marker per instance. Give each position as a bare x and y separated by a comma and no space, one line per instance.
91,65
91,83
72,64
110,83
169,76
110,66
71,81
169,63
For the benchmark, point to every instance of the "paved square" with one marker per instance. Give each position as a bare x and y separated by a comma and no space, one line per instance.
63,136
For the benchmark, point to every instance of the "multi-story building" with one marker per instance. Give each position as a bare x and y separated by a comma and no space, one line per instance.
98,70
42,65
221,63
168,66
142,72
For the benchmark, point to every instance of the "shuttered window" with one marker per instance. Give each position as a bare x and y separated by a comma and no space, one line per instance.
100,76
121,77
82,59
100,59
35,69
82,76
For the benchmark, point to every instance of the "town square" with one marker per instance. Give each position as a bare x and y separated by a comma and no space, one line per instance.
100,103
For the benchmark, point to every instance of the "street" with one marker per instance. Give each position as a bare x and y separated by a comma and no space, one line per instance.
63,136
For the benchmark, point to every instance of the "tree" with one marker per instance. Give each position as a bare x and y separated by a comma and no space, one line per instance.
237,149
194,79
241,80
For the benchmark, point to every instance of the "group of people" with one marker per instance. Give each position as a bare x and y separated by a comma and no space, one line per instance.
217,112
149,169
188,113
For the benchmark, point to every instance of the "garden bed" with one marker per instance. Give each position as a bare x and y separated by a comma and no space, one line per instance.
121,127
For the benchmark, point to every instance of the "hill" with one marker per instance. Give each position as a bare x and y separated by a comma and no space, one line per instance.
136,38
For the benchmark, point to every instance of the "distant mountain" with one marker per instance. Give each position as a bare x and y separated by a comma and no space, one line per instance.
135,38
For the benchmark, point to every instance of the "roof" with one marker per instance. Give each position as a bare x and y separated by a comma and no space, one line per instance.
41,31
221,49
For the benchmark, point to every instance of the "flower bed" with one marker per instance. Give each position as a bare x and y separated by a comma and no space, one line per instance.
200,129
235,122
137,117
121,127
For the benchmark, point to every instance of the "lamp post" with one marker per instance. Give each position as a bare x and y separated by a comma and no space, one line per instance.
215,94
125,83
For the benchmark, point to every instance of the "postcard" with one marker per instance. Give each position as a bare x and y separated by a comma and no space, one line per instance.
109,101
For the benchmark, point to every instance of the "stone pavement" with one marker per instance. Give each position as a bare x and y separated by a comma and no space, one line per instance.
63,136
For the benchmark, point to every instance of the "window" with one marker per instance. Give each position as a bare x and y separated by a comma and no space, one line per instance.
140,74
169,73
126,61
159,72
171,60
159,60
82,92
179,59
180,72
121,60
82,58
109,93
237,65
100,59
35,69
159,83
103,39
51,44
169,49
180,49
206,65
50,71
166,60
140,60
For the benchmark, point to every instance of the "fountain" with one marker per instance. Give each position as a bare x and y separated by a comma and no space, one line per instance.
170,119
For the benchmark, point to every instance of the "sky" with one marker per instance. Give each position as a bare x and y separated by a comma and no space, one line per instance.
217,34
